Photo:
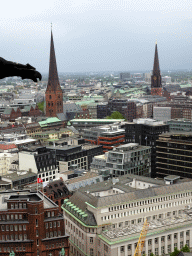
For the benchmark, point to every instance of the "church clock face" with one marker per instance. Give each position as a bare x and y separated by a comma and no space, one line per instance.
154,78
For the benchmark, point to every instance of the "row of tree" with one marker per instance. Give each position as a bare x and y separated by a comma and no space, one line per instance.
176,251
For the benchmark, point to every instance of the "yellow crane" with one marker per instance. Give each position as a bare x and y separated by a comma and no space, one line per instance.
141,241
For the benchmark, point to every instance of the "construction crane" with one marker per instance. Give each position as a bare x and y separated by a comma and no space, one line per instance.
141,241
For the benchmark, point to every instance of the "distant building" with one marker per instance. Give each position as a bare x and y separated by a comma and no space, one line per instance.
156,86
81,124
162,113
126,107
53,94
102,110
180,125
108,136
166,79
125,76
31,225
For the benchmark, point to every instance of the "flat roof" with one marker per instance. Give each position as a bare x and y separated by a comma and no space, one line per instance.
97,120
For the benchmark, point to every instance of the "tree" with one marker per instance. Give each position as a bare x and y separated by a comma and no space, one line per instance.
41,106
185,249
176,251
116,115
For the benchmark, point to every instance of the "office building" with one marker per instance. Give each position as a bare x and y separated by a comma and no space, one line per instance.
173,154
129,158
31,225
108,136
107,218
146,132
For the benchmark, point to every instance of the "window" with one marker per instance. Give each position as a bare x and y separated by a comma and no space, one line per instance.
58,223
91,240
91,251
105,248
24,227
20,216
169,248
36,221
122,249
11,227
149,242
181,234
52,214
50,224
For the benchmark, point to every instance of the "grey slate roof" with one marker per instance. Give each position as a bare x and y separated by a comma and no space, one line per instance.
80,197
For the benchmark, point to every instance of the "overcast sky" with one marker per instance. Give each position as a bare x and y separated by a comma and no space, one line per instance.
97,35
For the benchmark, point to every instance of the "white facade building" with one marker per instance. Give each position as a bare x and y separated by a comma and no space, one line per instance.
107,218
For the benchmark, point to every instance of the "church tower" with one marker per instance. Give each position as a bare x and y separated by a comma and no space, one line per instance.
53,94
156,87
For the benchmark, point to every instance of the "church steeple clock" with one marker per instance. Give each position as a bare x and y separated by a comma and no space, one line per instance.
53,94
156,87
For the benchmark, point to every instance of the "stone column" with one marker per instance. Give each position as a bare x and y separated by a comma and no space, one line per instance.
159,243
165,244
118,251
172,242
126,253
146,247
190,238
153,245
178,240
133,248
184,237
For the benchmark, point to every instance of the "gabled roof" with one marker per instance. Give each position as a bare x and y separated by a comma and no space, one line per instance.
80,197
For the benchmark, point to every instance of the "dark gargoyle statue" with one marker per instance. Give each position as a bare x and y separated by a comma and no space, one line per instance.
9,68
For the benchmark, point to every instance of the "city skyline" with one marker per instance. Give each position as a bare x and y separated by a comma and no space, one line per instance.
98,36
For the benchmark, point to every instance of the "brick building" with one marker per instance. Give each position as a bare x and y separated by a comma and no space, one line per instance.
57,191
12,113
126,107
53,94
31,224
156,86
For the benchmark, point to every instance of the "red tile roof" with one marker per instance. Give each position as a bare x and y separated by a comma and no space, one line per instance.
7,146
